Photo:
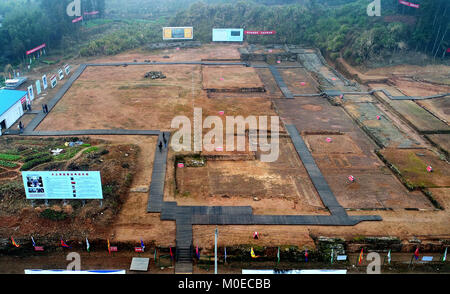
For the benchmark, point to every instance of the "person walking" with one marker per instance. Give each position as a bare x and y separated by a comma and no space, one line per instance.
160,146
165,141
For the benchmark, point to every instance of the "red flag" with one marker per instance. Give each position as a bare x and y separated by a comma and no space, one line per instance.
63,244
416,254
171,254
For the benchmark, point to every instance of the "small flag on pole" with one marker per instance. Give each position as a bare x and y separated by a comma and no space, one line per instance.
14,243
88,246
332,255
389,256
416,253
171,254
306,255
197,253
444,258
351,179
252,253
142,245
225,258
360,259
109,247
154,256
32,240
429,169
278,255
63,244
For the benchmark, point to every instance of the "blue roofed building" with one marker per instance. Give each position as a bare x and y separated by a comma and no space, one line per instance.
12,106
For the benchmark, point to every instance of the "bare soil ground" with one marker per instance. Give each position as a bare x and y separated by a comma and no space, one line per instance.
299,81
442,140
413,166
120,97
231,78
282,187
376,187
207,51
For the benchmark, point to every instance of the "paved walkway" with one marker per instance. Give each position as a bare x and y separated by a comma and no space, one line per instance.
279,79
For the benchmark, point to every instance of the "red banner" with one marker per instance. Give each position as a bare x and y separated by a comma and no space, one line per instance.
448,50
138,249
91,13
409,4
113,249
36,49
77,19
38,248
260,32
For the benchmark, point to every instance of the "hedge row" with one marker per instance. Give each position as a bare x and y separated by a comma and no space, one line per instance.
36,156
35,162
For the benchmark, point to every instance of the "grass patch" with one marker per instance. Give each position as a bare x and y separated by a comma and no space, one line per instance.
9,157
7,164
91,150
70,152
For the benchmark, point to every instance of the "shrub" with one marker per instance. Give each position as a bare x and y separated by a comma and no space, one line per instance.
36,156
53,215
35,162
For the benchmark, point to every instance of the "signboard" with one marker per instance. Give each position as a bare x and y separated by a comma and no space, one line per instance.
113,248
178,33
62,185
139,264
39,248
36,49
409,4
341,257
67,69
61,74
38,87
228,35
44,82
138,249
53,81
260,32
427,258
30,93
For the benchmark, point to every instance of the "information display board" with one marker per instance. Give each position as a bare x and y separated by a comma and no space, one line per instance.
178,33
228,35
62,185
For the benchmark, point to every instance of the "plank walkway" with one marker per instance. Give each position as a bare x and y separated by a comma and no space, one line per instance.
279,79
156,191
324,191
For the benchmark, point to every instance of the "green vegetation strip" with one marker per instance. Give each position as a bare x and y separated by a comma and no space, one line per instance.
9,157
8,164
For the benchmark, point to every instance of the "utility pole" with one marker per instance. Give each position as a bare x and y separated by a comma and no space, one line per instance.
215,250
